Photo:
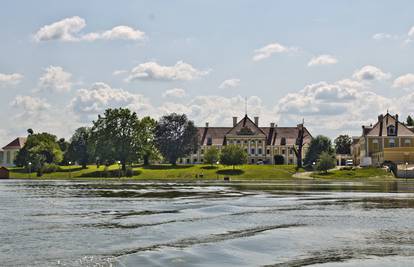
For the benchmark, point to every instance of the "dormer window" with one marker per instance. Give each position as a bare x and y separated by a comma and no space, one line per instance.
283,141
209,141
391,130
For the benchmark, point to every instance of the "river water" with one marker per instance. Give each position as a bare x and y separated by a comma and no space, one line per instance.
109,223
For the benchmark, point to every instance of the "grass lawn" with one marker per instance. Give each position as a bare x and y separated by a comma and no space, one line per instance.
355,173
161,172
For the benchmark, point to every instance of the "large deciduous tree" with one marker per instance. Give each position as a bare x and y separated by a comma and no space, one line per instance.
211,155
410,121
233,155
317,145
175,137
81,148
117,137
149,150
343,144
300,141
39,149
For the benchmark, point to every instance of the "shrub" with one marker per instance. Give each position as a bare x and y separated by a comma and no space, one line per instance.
279,159
326,162
50,168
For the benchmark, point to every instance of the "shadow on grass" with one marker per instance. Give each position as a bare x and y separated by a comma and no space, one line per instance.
209,167
166,167
230,172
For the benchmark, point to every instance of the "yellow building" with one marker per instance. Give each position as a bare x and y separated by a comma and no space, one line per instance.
388,140
262,144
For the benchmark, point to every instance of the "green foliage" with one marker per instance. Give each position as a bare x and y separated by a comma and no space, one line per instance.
343,144
149,150
81,149
326,162
39,149
410,121
318,145
175,137
233,155
211,155
117,136
279,159
50,168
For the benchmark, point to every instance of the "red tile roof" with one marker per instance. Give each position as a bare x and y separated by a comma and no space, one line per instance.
16,143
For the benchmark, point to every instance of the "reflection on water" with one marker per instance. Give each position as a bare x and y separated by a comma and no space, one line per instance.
303,223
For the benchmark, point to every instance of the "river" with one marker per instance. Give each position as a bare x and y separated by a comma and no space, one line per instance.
282,223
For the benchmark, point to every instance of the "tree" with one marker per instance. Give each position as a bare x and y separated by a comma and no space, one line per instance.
80,147
233,155
149,149
116,136
175,137
298,148
410,121
30,131
343,144
39,149
317,145
212,155
326,162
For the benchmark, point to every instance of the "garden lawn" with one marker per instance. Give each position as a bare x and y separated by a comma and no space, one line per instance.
371,172
161,172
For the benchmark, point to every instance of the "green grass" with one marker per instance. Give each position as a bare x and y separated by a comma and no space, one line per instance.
165,172
373,173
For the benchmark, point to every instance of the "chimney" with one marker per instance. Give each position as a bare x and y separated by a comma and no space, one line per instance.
256,121
396,124
206,124
234,121
272,125
380,120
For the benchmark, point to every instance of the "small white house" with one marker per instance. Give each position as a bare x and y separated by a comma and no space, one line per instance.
9,152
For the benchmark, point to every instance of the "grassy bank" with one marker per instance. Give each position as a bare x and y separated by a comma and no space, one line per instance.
165,172
355,173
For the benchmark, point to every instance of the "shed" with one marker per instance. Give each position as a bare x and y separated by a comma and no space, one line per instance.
4,173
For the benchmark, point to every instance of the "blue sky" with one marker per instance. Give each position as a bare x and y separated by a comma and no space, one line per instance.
337,64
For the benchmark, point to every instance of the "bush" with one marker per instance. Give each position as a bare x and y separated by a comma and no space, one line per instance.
233,155
326,162
279,160
50,168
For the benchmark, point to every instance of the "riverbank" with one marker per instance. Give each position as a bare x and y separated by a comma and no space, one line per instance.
191,172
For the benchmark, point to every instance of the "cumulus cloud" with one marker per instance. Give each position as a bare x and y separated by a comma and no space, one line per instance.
322,60
175,92
55,79
88,103
10,79
30,104
370,73
404,81
383,36
270,49
230,83
332,107
181,71
69,30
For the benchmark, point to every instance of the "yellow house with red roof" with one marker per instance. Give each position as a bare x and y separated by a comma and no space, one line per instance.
9,152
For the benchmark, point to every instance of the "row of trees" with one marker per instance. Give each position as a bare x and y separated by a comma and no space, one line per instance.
116,136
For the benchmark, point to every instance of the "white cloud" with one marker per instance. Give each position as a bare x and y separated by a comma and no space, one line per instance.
322,60
269,50
331,107
10,79
55,79
69,30
119,72
30,104
369,73
153,71
351,84
404,81
88,103
230,83
175,92
411,32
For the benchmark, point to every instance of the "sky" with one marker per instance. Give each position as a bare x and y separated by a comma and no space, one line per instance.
334,64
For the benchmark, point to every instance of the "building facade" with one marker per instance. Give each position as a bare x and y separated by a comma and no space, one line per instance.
9,152
388,140
262,144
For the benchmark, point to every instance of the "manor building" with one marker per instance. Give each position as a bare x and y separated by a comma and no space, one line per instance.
388,140
9,152
262,144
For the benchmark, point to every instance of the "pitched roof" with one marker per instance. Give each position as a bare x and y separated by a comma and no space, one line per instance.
246,124
16,143
381,126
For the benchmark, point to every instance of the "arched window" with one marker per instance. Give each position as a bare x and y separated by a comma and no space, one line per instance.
391,130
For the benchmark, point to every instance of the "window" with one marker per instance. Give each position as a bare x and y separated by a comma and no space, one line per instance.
209,141
202,160
391,130
188,161
290,161
260,151
268,151
291,151
407,142
238,141
375,144
245,142
392,142
195,160
202,151
260,142
1,157
283,141
252,151
252,161
8,157
283,151
181,160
